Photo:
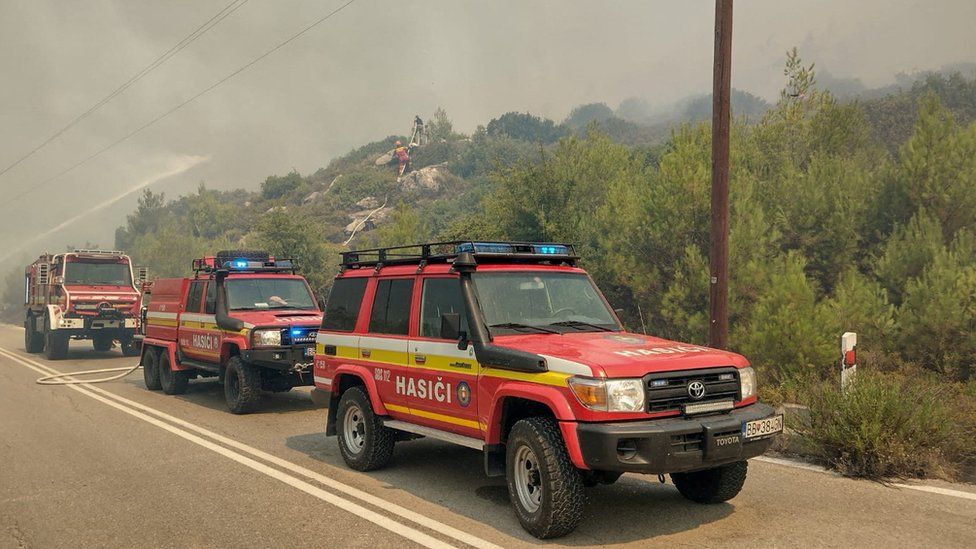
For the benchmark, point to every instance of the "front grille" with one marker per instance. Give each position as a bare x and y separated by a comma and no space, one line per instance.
298,335
668,391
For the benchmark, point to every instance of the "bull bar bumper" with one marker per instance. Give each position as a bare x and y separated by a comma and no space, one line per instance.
282,358
672,445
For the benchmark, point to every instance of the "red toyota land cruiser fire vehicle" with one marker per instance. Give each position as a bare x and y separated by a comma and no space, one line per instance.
244,317
510,348
84,294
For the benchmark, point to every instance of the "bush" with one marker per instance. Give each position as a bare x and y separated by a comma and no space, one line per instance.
276,187
887,426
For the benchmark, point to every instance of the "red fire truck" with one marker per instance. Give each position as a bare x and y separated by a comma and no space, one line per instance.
244,317
84,294
509,348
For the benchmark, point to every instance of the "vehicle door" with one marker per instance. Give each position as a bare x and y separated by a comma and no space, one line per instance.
383,349
445,377
199,339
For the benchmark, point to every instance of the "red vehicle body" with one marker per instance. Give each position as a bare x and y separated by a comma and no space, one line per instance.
84,294
251,321
458,369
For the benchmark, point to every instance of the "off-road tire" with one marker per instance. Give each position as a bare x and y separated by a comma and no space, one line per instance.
33,340
563,497
378,439
171,382
712,485
55,343
242,386
130,347
150,369
102,344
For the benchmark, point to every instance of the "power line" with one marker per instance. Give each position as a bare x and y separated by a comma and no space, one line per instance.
181,105
190,38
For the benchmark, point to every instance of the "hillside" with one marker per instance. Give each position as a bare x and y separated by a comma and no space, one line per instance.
847,215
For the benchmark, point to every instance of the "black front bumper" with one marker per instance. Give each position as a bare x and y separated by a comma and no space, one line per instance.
672,445
286,359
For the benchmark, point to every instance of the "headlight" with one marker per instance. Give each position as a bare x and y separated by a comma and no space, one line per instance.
609,395
747,382
266,338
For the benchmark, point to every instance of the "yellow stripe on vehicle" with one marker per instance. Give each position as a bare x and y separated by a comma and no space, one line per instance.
435,416
161,322
441,363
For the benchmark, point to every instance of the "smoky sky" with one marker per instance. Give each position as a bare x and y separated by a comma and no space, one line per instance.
363,74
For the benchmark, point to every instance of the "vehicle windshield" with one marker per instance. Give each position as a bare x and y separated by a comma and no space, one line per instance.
542,302
268,293
101,273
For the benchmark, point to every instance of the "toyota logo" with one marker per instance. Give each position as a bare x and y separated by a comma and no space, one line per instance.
696,389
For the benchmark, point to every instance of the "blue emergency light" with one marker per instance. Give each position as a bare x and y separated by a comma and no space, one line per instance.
295,332
239,263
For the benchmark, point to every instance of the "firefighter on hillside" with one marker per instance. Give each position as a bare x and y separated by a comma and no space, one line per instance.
402,156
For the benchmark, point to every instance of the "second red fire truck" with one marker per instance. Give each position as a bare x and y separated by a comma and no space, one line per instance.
244,317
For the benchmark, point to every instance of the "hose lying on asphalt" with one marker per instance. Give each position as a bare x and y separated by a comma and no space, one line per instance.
55,379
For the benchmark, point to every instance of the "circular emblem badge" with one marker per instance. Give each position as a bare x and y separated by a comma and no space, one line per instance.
696,389
463,394
629,340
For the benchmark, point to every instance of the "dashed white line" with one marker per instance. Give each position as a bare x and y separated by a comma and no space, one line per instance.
133,408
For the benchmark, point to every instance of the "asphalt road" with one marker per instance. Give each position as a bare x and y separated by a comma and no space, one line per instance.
115,465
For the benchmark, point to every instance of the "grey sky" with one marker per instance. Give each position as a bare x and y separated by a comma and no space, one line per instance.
363,75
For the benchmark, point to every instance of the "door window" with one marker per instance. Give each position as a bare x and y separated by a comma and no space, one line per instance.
195,298
391,307
440,296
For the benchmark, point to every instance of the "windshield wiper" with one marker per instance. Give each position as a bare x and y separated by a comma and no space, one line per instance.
523,327
580,324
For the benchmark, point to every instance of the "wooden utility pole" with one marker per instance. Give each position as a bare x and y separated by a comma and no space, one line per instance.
718,302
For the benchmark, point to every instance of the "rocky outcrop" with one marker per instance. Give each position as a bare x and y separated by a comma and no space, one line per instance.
429,179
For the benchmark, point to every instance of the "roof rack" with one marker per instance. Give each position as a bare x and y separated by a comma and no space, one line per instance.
444,252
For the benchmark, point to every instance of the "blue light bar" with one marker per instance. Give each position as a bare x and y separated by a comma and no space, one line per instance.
551,250
486,248
239,263
295,332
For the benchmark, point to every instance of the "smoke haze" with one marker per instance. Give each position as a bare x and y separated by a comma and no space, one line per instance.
363,75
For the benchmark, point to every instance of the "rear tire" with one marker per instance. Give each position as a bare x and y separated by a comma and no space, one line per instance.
55,343
131,347
102,344
242,386
171,382
364,442
712,485
545,488
150,369
33,341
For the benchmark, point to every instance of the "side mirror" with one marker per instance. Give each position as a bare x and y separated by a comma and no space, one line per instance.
321,302
463,341
142,274
450,326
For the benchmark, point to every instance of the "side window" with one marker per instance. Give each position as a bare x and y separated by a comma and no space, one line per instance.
440,295
210,302
196,296
391,307
342,310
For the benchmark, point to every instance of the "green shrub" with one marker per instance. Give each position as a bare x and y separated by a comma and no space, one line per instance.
887,426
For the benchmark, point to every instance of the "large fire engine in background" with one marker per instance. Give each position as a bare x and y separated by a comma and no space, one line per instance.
84,294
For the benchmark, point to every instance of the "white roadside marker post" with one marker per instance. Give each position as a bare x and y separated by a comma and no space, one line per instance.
848,359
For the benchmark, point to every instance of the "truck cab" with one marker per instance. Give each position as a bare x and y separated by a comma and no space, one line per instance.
245,317
84,294
510,349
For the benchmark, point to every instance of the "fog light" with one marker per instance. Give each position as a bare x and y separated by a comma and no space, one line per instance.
627,449
277,356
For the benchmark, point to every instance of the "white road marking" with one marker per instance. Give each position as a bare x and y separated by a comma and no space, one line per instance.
417,536
916,487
